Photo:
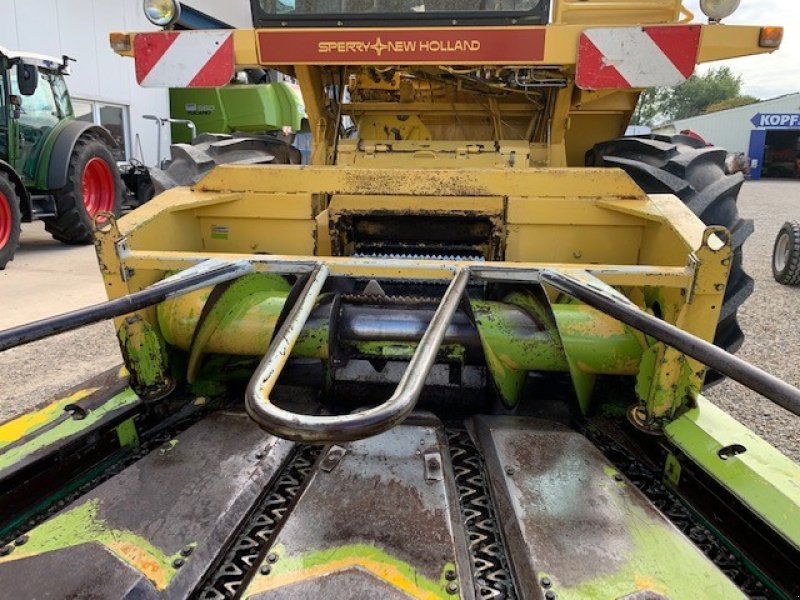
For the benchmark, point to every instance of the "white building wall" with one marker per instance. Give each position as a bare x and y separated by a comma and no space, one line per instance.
80,28
730,129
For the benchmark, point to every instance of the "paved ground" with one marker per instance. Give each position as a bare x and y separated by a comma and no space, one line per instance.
770,318
48,278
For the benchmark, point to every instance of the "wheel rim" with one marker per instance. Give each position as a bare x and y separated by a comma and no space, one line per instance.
782,250
5,220
98,187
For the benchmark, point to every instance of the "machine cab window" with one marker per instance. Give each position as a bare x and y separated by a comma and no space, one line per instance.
271,13
39,114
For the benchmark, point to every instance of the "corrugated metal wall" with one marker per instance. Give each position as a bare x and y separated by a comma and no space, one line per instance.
731,129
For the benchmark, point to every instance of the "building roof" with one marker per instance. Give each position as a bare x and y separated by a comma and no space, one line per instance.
40,60
747,108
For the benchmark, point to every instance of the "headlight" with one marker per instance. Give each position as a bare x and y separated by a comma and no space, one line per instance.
162,13
716,10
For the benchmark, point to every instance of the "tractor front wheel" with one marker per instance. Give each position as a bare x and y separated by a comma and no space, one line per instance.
10,221
786,255
93,186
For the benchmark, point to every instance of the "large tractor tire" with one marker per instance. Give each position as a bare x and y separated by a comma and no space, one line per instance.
786,254
695,173
93,186
191,162
10,221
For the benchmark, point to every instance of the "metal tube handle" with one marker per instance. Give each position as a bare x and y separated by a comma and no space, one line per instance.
361,424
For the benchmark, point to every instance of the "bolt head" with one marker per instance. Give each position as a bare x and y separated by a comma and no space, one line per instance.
187,550
545,581
21,540
450,575
272,557
265,570
509,471
550,595
178,563
6,550
452,588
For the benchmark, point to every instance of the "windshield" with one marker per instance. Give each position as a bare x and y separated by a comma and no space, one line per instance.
356,7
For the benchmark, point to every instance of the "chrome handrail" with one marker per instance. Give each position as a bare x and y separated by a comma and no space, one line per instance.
361,424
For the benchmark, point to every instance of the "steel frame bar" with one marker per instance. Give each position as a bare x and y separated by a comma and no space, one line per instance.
431,270
204,274
769,386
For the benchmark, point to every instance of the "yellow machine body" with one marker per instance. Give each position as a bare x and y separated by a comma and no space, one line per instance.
424,147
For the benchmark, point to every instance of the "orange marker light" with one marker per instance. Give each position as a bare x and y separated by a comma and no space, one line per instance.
121,42
771,37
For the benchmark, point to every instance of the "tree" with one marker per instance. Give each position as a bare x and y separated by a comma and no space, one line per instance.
717,89
649,107
731,103
692,97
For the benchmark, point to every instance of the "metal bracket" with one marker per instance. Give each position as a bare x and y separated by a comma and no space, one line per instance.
433,467
121,246
693,264
332,458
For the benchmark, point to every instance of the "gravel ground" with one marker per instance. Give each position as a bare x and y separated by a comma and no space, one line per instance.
770,319
33,373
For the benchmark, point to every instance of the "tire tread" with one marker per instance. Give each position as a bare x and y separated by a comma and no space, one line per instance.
7,252
791,274
72,224
696,174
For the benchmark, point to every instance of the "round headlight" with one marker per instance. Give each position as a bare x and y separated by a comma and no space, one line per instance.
716,10
162,13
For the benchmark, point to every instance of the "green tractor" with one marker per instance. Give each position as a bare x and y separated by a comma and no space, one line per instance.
52,167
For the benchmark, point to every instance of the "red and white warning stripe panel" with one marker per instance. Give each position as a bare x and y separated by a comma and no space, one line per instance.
184,58
637,57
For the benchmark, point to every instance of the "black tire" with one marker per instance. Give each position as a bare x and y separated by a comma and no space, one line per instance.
786,254
191,162
146,192
10,221
73,221
695,173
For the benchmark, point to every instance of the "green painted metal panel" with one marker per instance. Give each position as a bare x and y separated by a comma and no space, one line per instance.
244,108
762,478
66,428
43,160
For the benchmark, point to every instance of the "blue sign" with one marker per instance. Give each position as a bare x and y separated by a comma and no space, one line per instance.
777,120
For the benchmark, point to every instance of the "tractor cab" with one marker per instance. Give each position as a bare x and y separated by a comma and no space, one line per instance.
52,167
33,102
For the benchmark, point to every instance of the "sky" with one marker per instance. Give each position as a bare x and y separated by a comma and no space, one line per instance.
768,75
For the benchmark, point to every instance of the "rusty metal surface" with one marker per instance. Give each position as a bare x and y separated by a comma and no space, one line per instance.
158,526
576,527
87,572
374,524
